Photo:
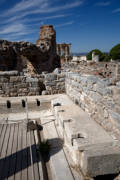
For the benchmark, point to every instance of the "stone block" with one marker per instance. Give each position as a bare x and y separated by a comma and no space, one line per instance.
13,90
4,79
57,71
22,94
48,88
103,90
83,81
48,83
23,90
34,89
34,84
37,93
92,79
21,85
50,77
8,85
95,96
59,76
31,93
32,80
59,84
17,79
13,94
61,79
118,83
114,117
45,92
9,73
1,92
101,160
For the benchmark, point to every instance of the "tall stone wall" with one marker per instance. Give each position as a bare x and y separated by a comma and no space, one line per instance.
99,97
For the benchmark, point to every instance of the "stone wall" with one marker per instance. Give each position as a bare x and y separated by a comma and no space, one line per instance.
101,69
13,83
99,97
54,83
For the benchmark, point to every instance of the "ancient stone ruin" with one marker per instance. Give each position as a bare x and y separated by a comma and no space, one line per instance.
47,44
63,124
63,50
34,58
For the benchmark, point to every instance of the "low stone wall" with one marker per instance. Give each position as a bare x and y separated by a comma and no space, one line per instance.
14,84
54,83
99,97
100,69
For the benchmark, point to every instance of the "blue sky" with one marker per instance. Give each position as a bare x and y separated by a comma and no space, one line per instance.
86,24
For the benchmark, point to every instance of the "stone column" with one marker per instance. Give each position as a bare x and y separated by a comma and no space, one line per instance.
95,57
117,72
69,46
66,51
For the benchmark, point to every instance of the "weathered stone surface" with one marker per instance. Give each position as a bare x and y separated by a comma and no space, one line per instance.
47,44
57,71
93,148
50,77
9,73
25,55
12,84
102,160
97,97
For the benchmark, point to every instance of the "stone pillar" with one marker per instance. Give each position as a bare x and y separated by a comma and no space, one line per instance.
69,46
66,51
95,57
117,74
62,50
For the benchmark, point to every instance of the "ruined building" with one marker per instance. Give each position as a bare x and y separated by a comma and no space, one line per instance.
34,58
63,50
78,121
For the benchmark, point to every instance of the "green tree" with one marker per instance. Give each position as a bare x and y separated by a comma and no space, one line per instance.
115,52
97,52
106,57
